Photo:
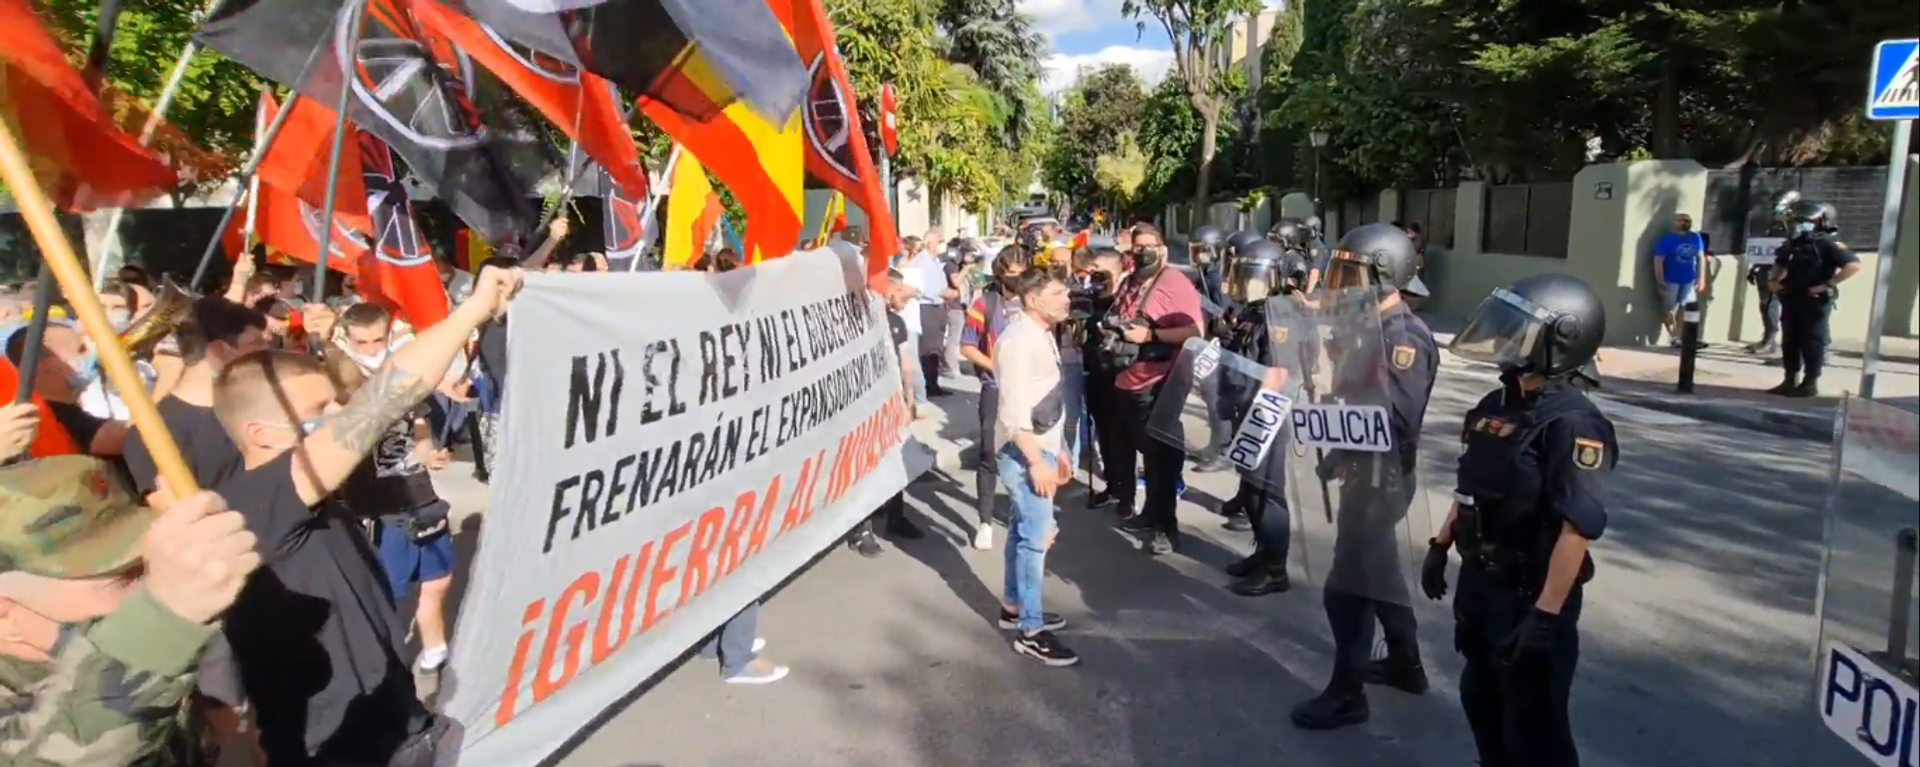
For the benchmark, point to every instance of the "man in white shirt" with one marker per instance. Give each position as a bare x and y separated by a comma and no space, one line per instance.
927,274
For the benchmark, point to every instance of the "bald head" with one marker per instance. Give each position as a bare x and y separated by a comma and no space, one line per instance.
262,398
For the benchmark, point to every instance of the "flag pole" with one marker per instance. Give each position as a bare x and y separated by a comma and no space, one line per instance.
654,196
56,253
356,20
248,183
154,117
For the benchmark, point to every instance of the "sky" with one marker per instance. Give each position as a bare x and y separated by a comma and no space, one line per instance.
1091,33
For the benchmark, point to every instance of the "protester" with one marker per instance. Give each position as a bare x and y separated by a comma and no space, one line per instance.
933,288
893,514
985,319
67,367
318,643
1031,416
100,627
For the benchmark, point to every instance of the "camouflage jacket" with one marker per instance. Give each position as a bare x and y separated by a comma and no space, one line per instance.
110,698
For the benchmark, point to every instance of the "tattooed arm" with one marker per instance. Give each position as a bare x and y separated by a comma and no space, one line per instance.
347,436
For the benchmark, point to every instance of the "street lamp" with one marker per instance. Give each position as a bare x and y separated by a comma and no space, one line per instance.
1319,138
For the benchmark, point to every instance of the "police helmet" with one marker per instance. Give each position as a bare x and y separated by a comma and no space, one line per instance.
1241,239
1375,255
1547,324
1797,214
1261,270
1314,226
1292,234
1208,236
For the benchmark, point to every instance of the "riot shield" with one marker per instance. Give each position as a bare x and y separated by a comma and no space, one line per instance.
1249,416
1864,655
1357,513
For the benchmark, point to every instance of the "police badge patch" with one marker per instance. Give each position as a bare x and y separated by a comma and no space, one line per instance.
1587,453
1403,356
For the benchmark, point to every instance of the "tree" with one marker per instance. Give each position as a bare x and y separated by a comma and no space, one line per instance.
1103,104
1197,29
1120,173
997,42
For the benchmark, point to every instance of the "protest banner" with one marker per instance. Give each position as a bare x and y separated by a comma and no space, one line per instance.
674,446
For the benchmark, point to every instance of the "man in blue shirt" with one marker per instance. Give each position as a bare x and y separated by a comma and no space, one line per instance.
1676,259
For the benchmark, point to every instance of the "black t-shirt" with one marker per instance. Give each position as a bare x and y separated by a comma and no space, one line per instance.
392,480
899,328
210,454
80,424
493,353
315,633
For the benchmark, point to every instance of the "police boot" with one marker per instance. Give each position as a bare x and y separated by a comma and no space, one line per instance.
1244,567
1401,671
1264,580
1787,387
1342,704
1806,389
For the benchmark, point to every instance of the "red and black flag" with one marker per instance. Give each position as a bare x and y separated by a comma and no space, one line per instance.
396,268
583,105
82,156
624,225
697,57
411,87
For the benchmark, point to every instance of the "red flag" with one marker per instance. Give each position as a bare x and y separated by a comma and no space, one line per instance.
837,151
80,155
50,438
291,226
297,161
581,104
398,272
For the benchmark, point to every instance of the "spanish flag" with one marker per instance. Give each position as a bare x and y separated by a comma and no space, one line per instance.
762,163
693,208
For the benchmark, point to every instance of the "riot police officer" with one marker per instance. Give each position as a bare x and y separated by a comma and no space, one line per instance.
1528,501
1260,270
1206,246
1807,272
1378,488
1238,240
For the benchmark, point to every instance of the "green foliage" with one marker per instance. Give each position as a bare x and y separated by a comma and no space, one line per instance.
1197,30
1101,106
1418,92
1121,172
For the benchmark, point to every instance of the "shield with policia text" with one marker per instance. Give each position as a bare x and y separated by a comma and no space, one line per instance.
1351,484
1865,670
1247,419
458,130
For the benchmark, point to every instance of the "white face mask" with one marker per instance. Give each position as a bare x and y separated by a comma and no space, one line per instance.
119,318
372,362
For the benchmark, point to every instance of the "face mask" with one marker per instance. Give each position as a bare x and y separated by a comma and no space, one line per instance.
371,362
1145,258
86,372
299,287
119,319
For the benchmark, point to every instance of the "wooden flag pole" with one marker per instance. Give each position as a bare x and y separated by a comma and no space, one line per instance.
57,253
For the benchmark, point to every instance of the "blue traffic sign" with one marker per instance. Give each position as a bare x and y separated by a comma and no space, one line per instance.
1894,88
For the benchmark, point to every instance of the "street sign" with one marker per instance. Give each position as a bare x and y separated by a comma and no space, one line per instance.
889,117
1893,91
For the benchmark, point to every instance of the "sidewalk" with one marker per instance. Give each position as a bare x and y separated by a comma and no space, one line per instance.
1729,385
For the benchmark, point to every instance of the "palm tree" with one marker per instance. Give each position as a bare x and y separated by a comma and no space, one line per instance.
998,43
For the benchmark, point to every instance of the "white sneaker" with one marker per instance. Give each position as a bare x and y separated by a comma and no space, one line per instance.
983,538
759,672
759,643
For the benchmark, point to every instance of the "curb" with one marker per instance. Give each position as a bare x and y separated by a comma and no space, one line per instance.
1793,425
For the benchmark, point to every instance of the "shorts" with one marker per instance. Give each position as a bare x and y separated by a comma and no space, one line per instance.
1677,294
408,561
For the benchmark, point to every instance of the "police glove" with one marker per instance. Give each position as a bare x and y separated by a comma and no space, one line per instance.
1433,572
1532,639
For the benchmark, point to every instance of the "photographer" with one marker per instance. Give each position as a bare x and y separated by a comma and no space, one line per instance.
1092,302
1153,317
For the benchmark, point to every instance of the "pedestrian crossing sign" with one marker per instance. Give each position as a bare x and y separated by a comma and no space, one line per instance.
1894,92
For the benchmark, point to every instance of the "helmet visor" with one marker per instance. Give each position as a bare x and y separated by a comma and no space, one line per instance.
1346,270
1505,330
1250,280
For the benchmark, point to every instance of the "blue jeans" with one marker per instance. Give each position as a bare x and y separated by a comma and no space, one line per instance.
1078,422
1027,534
732,645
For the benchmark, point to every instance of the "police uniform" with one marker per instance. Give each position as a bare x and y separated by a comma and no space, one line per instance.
1411,361
1244,331
114,690
1806,262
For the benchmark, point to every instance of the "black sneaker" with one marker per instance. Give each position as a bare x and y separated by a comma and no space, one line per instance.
1162,545
1262,582
1043,646
1010,621
1785,389
1137,523
1806,389
1332,710
866,543
1098,499
1245,567
903,528
1238,523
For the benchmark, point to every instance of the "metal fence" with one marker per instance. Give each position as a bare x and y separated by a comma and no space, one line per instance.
1740,202
1528,219
1433,210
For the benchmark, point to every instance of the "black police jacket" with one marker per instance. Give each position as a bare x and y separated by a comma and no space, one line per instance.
1809,261
1533,463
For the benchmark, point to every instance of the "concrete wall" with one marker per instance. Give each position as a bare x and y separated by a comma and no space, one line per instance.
1619,212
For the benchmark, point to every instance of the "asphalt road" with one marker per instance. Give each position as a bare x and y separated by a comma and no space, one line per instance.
1696,637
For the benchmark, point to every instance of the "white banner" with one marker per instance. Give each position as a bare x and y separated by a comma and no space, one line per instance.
674,446
1760,250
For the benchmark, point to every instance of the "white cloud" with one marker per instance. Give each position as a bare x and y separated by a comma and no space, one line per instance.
1062,69
1058,17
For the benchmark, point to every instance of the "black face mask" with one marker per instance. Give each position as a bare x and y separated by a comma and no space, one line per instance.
1145,259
